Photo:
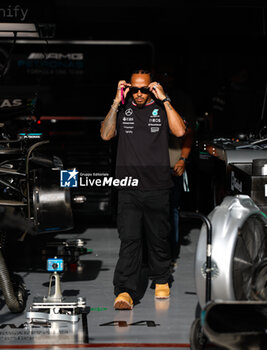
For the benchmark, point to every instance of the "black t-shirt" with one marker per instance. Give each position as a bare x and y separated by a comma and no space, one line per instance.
143,146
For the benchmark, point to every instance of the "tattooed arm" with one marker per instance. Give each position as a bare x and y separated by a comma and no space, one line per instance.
176,123
108,126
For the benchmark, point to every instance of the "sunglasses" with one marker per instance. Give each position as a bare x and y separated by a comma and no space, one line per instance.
143,89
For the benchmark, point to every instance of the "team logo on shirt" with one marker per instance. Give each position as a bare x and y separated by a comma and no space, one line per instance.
155,112
154,129
154,121
128,112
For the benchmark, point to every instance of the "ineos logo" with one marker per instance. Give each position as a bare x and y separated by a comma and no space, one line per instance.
129,112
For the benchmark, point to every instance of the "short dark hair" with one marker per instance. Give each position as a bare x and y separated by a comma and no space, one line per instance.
143,71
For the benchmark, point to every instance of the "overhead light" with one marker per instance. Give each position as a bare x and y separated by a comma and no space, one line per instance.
19,34
22,30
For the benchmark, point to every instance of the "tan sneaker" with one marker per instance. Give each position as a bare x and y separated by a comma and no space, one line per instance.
162,291
123,302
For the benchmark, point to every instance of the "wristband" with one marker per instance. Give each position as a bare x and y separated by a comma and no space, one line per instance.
166,99
114,109
183,158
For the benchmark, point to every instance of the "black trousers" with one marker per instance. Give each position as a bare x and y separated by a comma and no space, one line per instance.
142,215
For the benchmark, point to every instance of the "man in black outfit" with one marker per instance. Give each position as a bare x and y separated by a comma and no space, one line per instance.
142,125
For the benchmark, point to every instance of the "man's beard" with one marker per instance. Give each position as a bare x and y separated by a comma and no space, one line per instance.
139,105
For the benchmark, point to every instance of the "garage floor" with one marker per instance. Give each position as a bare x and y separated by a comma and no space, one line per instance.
151,324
